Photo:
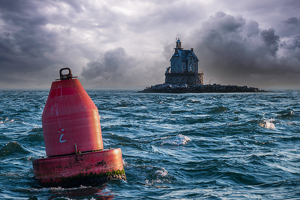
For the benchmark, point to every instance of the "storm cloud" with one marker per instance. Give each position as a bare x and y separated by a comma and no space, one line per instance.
236,50
116,68
113,67
130,43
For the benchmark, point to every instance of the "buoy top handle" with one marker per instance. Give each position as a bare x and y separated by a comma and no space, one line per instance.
65,76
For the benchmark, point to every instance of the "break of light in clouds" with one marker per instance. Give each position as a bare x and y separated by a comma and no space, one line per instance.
129,43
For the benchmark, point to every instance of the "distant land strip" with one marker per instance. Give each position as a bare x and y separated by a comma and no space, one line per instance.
215,88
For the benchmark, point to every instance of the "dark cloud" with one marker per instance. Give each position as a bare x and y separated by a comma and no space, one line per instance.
292,21
252,28
225,23
290,27
233,50
115,67
271,40
24,37
293,44
39,37
112,66
30,44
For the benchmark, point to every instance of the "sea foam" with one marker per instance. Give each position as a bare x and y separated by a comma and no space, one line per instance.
268,124
161,172
160,176
177,140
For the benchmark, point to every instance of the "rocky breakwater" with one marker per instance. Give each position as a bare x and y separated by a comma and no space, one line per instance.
215,88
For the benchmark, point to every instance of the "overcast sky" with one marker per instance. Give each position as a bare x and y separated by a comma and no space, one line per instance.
129,43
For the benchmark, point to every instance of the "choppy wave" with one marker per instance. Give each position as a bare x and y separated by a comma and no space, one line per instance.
193,101
218,109
174,146
290,114
7,120
12,148
177,140
153,176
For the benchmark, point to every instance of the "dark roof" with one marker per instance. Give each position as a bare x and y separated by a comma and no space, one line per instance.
184,54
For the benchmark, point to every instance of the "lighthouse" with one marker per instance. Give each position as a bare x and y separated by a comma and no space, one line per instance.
184,67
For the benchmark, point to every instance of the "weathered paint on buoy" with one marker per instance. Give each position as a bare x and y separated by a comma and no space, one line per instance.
70,119
73,140
92,168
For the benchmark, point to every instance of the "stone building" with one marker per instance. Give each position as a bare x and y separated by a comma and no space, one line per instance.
184,68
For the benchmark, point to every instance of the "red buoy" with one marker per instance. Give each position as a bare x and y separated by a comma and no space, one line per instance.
73,139
70,119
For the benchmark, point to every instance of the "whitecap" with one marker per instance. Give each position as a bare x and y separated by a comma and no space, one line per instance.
44,189
162,172
268,124
124,163
9,121
177,140
193,100
151,183
146,182
89,199
157,181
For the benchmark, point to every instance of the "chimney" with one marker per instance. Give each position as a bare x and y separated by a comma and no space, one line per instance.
192,49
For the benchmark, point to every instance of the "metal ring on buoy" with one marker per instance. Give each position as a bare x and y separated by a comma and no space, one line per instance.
65,76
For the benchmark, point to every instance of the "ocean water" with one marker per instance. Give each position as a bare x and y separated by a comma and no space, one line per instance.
175,146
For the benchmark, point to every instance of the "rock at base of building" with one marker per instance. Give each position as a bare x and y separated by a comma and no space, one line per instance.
185,88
